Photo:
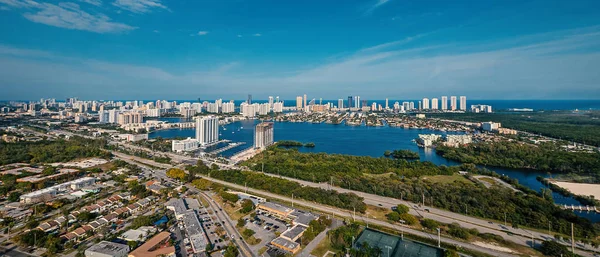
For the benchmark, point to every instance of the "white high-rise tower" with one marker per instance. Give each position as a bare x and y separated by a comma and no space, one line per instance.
207,130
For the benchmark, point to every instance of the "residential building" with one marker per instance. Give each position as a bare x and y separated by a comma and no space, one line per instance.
425,103
263,135
299,103
434,103
129,117
340,104
456,140
207,130
453,103
490,126
184,145
155,246
278,107
427,140
444,103
263,109
463,103
228,107
107,249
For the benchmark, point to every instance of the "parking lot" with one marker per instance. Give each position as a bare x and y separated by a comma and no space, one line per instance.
265,227
212,227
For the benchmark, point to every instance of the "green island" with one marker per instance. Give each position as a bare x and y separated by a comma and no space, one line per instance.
402,154
410,180
46,151
290,143
581,127
521,155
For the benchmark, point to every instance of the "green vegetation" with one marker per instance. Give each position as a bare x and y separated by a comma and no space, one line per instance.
248,233
430,224
400,178
247,206
583,127
285,187
176,173
46,151
288,143
402,154
309,145
543,157
342,238
315,227
228,197
231,251
555,249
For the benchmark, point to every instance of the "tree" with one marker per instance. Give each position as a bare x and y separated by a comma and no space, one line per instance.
401,209
430,224
241,222
247,206
408,219
231,251
450,253
393,216
14,196
176,173
248,233
228,197
551,248
202,184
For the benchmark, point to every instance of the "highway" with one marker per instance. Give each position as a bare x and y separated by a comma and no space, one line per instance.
519,236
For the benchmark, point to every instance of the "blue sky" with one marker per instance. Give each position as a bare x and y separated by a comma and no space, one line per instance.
184,49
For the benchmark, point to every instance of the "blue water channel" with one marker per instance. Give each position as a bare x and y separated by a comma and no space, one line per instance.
357,140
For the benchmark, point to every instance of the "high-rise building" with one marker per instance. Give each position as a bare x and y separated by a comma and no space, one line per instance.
349,102
357,102
270,102
249,101
434,103
129,117
411,105
305,108
263,135
386,104
299,103
248,110
263,109
463,103
278,107
277,99
425,103
453,103
228,107
340,104
207,130
374,106
420,105
406,105
444,103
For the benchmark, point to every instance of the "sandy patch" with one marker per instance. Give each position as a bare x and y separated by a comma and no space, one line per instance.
494,247
580,188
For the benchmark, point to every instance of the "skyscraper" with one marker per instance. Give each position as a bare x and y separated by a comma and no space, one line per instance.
425,103
444,103
305,103
463,103
349,102
207,130
357,102
270,102
453,103
340,104
386,104
434,103
298,103
249,101
263,135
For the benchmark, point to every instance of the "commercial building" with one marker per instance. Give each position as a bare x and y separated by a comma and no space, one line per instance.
184,145
286,245
207,130
107,249
294,233
263,135
49,193
277,210
156,246
194,232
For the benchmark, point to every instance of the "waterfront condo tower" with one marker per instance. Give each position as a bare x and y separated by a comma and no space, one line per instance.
207,130
263,135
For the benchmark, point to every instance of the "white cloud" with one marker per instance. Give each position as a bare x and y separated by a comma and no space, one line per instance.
70,16
202,33
376,5
257,35
239,35
156,31
67,15
561,65
140,6
92,2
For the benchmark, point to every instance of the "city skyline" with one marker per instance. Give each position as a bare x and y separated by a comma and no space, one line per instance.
109,49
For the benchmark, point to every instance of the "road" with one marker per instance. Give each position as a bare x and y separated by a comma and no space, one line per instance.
440,215
519,236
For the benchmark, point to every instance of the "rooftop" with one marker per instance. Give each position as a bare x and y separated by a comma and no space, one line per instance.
294,232
155,246
109,248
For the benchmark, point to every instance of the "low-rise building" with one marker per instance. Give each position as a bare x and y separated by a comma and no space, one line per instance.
185,145
286,245
294,233
107,249
155,246
427,140
277,210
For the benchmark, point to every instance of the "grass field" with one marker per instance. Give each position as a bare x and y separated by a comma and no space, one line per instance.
322,248
447,179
